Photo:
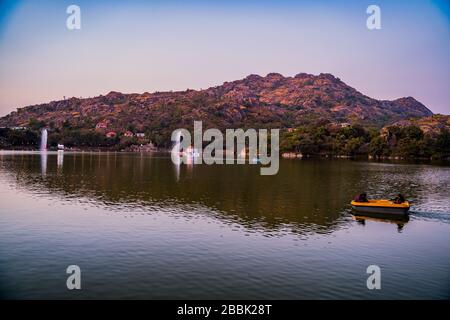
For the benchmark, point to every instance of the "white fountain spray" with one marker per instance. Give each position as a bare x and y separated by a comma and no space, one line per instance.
43,140
176,155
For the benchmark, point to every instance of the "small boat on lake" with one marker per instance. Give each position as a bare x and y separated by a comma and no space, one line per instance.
382,207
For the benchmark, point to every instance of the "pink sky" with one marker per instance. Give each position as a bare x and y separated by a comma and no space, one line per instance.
156,46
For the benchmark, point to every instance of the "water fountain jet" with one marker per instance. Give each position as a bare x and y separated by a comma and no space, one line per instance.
44,136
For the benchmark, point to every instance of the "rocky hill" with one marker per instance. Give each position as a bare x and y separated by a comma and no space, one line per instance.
429,125
255,101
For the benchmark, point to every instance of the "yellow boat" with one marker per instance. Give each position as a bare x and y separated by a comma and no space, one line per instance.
381,206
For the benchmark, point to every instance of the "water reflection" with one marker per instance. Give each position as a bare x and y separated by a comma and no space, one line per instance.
305,196
220,232
60,159
400,222
177,171
44,157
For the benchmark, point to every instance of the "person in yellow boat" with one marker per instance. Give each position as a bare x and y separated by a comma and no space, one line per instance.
399,199
362,197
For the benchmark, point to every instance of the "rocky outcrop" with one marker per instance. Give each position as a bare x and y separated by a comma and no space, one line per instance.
429,125
255,101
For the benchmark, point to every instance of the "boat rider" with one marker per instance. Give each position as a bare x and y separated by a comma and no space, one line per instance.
399,199
362,197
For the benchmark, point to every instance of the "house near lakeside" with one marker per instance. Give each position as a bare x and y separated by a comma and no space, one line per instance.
102,125
111,134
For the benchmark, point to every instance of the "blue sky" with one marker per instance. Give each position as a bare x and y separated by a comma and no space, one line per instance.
138,46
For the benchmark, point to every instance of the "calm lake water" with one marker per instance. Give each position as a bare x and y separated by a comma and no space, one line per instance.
140,227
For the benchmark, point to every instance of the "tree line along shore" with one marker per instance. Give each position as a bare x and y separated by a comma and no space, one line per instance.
324,140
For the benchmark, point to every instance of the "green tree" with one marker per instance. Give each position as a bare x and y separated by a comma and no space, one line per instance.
378,147
35,124
442,144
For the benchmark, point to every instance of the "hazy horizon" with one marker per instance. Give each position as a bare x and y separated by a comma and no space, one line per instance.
139,46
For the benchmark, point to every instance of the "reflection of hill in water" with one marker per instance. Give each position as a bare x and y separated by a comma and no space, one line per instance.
305,195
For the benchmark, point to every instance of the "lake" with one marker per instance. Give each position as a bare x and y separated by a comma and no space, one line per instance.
140,227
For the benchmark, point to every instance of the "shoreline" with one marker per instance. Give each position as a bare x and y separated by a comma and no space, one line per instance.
369,158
